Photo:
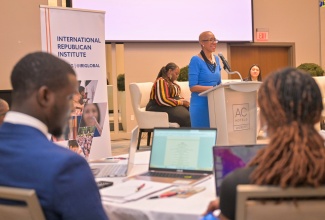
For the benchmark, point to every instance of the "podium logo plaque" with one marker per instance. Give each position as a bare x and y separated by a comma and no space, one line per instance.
241,117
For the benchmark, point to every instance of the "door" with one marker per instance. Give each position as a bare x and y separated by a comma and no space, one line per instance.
268,57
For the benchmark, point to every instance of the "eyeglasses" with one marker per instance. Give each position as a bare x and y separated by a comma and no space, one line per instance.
212,40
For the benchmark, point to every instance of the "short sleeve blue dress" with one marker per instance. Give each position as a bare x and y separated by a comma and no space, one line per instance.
200,74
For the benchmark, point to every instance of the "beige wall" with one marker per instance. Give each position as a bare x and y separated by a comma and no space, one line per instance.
287,21
292,21
322,29
20,34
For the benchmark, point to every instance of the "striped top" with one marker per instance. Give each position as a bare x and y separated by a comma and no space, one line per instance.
165,94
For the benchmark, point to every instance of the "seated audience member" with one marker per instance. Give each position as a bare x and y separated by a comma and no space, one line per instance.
291,104
4,108
254,73
165,96
43,87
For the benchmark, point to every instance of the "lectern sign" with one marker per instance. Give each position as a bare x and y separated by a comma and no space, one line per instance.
233,110
241,117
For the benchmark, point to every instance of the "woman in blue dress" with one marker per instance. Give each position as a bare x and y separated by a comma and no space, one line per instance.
204,73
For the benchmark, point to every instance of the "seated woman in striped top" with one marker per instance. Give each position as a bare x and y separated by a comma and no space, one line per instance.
165,96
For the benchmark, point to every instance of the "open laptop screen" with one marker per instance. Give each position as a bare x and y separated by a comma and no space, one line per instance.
183,149
228,158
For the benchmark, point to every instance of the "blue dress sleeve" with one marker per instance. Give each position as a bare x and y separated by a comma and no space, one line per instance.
193,71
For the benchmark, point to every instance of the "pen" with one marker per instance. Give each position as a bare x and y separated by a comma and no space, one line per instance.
140,187
113,158
168,194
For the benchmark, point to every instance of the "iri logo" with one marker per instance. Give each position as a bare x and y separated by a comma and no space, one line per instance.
241,117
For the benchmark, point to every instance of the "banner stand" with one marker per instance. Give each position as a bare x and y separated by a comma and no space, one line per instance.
78,37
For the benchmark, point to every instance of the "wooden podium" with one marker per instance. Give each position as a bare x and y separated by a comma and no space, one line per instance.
233,111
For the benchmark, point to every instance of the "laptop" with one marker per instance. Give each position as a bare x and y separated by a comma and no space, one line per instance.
228,158
181,155
117,168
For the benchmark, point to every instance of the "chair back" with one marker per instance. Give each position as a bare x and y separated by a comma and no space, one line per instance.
31,211
185,90
320,80
140,95
268,202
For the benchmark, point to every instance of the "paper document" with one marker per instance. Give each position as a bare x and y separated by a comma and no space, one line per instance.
131,190
185,192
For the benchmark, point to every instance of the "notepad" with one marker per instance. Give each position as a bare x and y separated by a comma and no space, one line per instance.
128,191
129,188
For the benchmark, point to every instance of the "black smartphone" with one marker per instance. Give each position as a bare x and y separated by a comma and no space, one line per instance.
103,184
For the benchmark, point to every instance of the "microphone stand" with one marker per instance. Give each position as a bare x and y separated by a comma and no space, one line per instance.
234,72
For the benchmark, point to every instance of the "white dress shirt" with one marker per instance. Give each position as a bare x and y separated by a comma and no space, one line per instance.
23,119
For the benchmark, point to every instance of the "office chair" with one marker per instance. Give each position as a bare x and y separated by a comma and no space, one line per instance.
30,210
269,203
147,120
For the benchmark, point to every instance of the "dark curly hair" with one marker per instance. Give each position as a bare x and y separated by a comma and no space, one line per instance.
291,104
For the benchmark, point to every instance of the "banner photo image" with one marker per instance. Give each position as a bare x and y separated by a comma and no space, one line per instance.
94,116
83,127
78,37
85,95
85,139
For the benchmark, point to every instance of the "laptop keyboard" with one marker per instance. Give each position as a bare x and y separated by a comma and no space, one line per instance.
172,175
113,170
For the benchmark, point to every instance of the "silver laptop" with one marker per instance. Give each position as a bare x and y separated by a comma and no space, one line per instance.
120,169
181,155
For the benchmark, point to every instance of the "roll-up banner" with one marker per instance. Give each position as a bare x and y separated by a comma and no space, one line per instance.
78,37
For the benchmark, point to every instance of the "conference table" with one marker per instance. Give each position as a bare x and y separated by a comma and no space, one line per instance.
171,208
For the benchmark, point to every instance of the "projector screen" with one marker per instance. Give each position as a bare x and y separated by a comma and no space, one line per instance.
173,20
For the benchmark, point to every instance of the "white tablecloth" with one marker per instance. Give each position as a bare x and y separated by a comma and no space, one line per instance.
171,208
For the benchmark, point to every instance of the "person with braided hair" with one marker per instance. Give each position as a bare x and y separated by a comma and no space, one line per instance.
166,96
291,104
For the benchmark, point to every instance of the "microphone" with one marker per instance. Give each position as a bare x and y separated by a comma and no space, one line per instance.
225,63
226,66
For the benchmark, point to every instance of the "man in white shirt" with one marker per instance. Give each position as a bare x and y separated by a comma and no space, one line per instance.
43,89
